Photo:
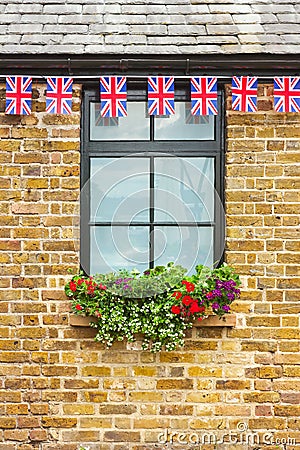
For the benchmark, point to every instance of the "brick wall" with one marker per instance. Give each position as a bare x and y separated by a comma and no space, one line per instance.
59,389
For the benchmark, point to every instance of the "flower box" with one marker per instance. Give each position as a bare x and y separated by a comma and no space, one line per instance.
160,304
210,321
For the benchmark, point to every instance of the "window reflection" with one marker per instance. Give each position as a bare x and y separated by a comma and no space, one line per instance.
136,126
119,247
184,189
187,246
184,126
119,189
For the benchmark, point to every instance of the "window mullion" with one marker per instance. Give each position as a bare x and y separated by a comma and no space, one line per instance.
151,213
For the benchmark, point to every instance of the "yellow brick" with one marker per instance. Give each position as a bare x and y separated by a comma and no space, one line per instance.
7,422
176,357
205,371
79,436
174,384
94,371
233,410
262,397
83,409
122,423
95,396
72,119
10,145
150,423
204,384
270,372
119,396
95,422
17,409
203,397
144,371
290,321
29,132
233,384
265,321
265,132
284,410
206,424
145,397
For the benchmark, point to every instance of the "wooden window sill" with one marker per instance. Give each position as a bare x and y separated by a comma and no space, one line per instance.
211,321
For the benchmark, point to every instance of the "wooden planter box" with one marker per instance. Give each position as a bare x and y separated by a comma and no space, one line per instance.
211,321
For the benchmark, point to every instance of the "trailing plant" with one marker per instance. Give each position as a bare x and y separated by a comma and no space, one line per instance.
160,303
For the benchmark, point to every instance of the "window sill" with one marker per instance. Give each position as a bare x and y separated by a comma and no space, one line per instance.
211,321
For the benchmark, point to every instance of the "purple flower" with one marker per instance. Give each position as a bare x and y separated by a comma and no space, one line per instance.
217,293
226,308
119,281
219,284
147,272
230,296
215,305
126,286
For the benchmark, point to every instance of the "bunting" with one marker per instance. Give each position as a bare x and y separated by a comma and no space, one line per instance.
204,96
59,95
244,94
113,96
161,96
18,95
287,94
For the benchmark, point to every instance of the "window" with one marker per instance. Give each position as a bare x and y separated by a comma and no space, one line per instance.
151,186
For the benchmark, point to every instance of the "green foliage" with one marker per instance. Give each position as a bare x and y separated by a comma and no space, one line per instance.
159,303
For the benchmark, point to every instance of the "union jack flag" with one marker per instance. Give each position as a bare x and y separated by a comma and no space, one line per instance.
287,94
113,96
18,95
59,95
161,96
204,96
244,94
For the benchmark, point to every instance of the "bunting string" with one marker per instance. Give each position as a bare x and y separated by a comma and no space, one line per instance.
161,94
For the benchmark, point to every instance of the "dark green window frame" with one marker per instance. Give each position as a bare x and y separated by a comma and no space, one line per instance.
185,148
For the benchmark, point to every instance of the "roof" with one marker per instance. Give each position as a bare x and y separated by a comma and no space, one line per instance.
149,27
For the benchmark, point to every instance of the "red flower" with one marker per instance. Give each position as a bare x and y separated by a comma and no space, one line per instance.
209,295
73,286
187,300
101,286
80,281
190,287
175,309
78,307
177,295
195,308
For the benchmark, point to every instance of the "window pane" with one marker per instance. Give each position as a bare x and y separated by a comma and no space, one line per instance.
183,126
136,126
187,246
184,189
118,247
119,189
